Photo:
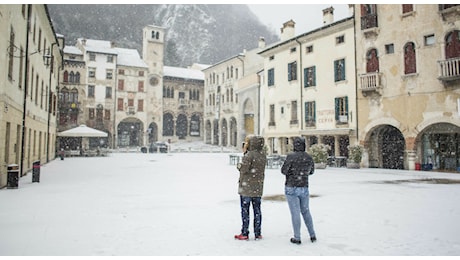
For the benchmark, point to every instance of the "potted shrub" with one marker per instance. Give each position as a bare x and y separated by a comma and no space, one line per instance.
355,154
319,153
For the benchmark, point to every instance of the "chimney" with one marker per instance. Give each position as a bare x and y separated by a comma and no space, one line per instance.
112,44
261,42
288,30
328,15
351,9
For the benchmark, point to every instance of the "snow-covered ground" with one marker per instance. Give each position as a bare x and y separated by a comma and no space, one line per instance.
131,204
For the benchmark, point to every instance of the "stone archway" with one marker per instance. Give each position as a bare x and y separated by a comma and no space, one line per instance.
130,133
386,146
440,147
152,132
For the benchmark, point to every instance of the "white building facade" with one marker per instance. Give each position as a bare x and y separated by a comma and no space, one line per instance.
31,54
309,87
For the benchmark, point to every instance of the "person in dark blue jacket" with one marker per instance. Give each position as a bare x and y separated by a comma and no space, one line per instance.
297,167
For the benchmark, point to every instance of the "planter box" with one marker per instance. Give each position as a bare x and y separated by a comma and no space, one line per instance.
320,166
353,165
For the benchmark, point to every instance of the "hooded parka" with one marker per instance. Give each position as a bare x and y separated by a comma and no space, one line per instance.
298,165
252,168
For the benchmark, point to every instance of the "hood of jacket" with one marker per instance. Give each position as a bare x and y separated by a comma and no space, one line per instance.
299,144
256,143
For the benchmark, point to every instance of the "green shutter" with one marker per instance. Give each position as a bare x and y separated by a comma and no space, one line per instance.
305,78
337,108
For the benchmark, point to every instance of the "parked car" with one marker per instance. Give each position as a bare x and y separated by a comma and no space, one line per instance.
158,146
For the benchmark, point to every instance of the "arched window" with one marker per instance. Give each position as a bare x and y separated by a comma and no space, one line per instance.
66,76
453,44
72,77
409,58
168,124
372,61
77,77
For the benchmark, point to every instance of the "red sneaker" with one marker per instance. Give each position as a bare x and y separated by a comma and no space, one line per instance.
241,237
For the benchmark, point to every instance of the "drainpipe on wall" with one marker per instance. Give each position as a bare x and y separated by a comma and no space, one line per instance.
26,76
49,107
301,85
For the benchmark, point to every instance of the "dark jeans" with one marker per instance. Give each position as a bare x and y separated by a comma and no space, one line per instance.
245,204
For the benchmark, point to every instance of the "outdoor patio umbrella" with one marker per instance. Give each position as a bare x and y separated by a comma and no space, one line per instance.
82,131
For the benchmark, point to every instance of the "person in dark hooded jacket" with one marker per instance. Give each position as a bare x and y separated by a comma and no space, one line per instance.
297,167
251,185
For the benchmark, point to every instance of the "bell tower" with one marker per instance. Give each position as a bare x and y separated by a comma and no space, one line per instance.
153,55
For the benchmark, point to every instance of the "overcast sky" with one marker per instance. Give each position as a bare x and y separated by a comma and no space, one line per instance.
306,16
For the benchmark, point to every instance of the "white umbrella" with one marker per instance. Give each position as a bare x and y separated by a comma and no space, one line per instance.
82,131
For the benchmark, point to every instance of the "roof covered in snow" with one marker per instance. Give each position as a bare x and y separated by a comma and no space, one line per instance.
130,57
97,46
72,50
184,73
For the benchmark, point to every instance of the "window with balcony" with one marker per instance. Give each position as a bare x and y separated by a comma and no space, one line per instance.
309,76
409,58
453,44
368,16
341,110
372,61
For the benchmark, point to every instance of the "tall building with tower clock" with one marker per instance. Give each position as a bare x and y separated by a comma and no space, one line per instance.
136,99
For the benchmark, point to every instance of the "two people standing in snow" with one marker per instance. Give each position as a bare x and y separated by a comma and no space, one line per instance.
251,184
297,167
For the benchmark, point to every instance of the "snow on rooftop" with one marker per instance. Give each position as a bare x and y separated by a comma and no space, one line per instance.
97,46
129,57
183,73
72,50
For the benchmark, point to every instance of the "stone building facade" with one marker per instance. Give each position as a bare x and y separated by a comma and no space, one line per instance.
309,87
136,100
408,59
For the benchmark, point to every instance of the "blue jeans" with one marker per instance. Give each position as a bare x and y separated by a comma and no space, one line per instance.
245,204
298,201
